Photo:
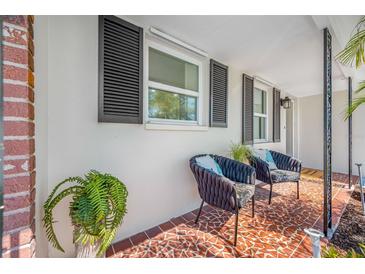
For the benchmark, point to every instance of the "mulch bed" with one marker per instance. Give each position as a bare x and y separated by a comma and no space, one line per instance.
351,230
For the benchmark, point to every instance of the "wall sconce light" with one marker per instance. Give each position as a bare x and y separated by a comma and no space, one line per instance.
285,103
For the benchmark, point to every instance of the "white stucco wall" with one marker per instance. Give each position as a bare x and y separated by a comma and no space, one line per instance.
311,132
70,141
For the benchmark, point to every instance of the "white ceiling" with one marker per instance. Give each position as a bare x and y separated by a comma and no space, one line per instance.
285,50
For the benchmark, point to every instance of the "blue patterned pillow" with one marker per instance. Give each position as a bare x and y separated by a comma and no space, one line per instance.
209,163
266,156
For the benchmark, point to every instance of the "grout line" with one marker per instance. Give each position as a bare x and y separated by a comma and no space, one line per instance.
16,211
112,246
17,248
16,230
22,174
148,237
17,65
16,194
15,82
15,26
17,157
18,100
17,138
17,119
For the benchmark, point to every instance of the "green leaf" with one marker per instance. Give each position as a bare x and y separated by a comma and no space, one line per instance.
354,49
354,105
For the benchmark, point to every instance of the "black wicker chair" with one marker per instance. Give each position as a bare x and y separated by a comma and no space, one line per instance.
229,192
289,170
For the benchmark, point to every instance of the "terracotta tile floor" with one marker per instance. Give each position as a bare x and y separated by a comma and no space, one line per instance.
276,231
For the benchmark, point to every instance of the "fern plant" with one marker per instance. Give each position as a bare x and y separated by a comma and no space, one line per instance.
97,209
240,152
354,53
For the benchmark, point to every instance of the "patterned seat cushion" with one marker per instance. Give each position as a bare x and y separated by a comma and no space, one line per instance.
244,193
279,175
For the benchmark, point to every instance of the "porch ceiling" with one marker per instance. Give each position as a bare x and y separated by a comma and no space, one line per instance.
285,50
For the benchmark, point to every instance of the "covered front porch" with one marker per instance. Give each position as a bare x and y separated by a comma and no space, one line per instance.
276,231
138,96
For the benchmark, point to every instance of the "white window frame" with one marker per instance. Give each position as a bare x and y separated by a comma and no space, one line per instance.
266,116
198,94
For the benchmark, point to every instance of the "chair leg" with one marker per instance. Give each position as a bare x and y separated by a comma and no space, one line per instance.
253,206
200,210
270,194
236,229
298,190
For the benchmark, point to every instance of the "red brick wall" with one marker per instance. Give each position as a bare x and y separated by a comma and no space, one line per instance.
19,159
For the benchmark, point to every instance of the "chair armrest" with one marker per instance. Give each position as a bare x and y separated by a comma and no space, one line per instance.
286,162
236,171
262,169
214,189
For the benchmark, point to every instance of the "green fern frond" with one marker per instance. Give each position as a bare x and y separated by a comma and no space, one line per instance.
77,180
97,209
48,214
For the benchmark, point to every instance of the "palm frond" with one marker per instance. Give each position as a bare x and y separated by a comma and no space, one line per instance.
360,24
360,87
355,104
354,50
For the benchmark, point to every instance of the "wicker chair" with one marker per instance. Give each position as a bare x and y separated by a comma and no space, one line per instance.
229,192
289,170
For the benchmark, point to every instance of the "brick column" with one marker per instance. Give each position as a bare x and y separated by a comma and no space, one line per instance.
19,158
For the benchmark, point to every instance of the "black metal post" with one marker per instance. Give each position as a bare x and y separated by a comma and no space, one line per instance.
1,140
327,130
350,130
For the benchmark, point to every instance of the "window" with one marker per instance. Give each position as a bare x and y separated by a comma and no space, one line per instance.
260,115
173,87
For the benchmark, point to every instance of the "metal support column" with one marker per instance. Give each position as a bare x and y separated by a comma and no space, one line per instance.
1,140
327,136
350,131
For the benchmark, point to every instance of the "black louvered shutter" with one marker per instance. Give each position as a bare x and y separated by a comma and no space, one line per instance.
120,71
276,115
218,94
247,109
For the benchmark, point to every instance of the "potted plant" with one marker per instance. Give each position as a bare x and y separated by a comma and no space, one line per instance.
240,152
97,209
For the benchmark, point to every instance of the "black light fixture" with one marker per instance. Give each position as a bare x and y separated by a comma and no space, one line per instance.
285,103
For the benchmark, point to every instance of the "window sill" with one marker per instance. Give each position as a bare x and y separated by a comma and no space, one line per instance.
169,127
261,142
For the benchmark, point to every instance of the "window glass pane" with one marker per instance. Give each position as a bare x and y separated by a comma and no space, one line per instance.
260,101
259,128
167,105
169,70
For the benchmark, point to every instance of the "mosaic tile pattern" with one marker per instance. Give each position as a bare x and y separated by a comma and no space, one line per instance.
276,231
